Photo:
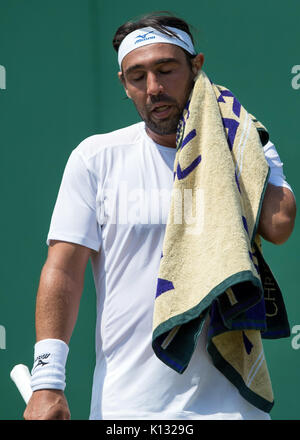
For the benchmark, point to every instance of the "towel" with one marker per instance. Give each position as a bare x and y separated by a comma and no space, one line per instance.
212,266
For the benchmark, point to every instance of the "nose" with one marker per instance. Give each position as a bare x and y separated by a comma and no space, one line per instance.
154,87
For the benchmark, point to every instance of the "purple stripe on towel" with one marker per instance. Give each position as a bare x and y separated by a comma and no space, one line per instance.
163,286
236,106
232,126
188,138
181,174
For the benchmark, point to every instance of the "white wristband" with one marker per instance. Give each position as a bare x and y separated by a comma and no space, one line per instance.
48,372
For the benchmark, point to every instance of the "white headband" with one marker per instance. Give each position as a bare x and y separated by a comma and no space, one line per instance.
149,35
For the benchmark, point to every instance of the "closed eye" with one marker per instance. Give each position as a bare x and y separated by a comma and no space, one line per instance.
138,78
162,72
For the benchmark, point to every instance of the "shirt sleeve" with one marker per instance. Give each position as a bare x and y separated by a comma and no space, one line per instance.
276,177
74,216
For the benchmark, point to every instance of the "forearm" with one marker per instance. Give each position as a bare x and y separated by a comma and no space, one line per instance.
278,214
57,304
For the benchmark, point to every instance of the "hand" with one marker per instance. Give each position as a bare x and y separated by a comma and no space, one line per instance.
47,405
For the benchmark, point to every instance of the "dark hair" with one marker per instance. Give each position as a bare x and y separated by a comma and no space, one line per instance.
158,22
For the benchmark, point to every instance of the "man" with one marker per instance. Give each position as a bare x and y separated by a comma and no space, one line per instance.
111,188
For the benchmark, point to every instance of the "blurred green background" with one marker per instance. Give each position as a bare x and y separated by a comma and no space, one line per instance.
61,86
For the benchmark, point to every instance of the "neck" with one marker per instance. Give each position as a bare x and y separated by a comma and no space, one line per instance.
167,140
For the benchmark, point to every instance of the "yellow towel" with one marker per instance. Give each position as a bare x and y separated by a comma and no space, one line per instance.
211,260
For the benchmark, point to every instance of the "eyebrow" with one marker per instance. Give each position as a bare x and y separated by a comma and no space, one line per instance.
160,61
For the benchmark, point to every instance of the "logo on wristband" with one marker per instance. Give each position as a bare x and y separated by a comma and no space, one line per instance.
40,360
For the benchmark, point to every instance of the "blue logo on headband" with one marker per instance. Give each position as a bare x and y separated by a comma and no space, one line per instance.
141,38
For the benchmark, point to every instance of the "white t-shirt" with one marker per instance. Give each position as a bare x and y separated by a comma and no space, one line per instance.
114,198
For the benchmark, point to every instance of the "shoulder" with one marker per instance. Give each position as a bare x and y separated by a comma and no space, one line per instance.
100,143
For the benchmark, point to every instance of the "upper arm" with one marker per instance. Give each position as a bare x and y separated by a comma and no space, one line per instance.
70,258
278,214
278,211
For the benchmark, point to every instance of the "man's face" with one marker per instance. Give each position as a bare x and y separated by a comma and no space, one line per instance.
158,79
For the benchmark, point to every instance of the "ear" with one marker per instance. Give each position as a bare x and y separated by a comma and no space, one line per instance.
197,63
122,80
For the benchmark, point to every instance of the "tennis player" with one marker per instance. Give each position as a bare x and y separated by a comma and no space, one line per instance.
112,208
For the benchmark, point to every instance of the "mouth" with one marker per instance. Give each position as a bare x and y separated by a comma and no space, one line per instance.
161,111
